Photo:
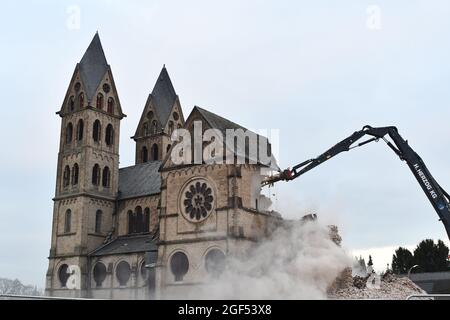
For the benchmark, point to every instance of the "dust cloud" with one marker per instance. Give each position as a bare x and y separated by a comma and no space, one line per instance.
298,261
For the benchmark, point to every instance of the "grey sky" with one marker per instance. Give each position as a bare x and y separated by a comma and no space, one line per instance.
309,68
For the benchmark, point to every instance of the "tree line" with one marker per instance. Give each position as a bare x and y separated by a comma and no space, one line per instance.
428,256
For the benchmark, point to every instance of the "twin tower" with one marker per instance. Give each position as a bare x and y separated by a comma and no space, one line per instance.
131,232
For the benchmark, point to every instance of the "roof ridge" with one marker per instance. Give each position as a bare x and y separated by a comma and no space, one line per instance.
223,125
202,110
141,164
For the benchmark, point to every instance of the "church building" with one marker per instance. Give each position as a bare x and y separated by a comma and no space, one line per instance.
156,228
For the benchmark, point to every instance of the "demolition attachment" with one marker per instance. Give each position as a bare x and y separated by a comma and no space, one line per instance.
438,197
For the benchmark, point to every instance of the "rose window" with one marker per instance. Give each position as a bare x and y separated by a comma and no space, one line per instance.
197,201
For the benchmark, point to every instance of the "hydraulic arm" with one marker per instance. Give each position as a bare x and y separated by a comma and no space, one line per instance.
437,196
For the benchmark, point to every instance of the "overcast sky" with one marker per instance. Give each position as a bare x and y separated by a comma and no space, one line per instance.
315,70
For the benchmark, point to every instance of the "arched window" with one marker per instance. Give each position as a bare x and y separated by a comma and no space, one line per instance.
106,177
175,116
168,147
145,128
146,220
131,221
179,126
154,128
215,262
72,103
155,152
109,134
170,127
96,175
81,100
96,131
66,177
179,265
98,221
99,273
80,129
68,221
139,220
144,154
69,132
110,105
150,115
123,273
75,174
63,274
100,101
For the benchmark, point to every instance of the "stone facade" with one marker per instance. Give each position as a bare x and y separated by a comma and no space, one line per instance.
150,230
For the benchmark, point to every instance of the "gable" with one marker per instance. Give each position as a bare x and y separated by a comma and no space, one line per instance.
213,121
146,118
71,91
77,87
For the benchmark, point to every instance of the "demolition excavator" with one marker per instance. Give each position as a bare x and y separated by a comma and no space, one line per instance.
438,197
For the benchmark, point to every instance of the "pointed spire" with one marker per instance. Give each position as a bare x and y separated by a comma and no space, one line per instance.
93,66
163,96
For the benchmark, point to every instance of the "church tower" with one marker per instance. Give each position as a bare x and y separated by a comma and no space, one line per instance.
87,173
161,116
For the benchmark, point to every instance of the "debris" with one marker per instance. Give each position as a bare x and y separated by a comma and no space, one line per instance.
360,282
391,287
309,217
334,234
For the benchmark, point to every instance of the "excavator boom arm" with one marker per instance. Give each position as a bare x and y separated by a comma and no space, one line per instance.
435,194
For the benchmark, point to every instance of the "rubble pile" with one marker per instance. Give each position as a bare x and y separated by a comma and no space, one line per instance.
387,287
360,282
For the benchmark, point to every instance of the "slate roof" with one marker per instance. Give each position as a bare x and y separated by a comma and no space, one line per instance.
163,97
93,67
222,124
128,244
140,180
217,121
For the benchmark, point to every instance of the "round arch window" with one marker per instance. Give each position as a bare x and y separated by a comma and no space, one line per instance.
179,265
63,274
197,200
215,262
99,273
123,272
